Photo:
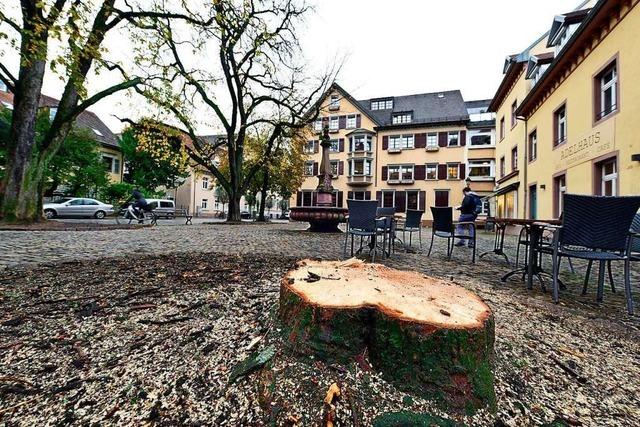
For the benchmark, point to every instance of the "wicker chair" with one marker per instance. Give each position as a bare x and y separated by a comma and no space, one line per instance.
595,228
444,226
412,224
385,227
361,222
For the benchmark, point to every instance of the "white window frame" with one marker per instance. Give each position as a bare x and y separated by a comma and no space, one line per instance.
52,113
483,163
114,159
367,141
457,172
334,102
611,85
317,125
533,145
486,133
351,121
382,193
432,140
337,165
562,124
308,164
426,171
204,203
332,120
337,142
406,204
312,149
401,118
205,182
450,136
366,167
611,177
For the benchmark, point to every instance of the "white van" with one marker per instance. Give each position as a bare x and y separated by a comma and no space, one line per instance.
163,208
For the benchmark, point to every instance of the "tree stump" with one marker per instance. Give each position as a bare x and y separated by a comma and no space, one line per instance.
426,335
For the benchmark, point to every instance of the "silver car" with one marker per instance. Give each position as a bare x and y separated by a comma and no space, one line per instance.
77,207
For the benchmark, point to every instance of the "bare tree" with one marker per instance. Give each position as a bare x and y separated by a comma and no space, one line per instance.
35,26
244,70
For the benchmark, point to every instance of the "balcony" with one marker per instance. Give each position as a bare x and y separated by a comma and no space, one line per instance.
359,180
432,148
360,154
400,181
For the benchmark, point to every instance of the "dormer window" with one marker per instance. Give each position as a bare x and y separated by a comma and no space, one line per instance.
382,104
400,118
334,102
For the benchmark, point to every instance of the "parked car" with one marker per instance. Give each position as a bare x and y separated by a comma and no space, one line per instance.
163,207
245,215
77,207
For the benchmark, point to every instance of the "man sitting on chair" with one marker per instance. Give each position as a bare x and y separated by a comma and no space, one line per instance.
468,213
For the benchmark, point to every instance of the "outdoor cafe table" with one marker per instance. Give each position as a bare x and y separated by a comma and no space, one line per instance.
532,266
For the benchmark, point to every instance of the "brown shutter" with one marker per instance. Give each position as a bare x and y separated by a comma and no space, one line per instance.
442,171
423,200
385,142
341,145
442,139
462,171
463,138
442,198
367,195
358,120
401,201
341,168
299,198
379,197
421,140
316,146
384,173
342,122
340,196
419,172
314,198
350,195
315,168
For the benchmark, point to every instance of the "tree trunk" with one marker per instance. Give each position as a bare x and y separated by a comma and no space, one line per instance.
428,336
234,208
263,192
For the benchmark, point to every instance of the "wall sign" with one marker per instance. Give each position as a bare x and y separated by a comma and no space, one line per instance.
594,143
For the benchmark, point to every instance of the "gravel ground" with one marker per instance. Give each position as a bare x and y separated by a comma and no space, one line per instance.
154,339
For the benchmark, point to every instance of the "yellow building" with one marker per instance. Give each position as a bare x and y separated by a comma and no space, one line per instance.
407,152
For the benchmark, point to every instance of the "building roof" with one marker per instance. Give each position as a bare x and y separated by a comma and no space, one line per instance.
480,103
560,21
426,108
537,60
86,120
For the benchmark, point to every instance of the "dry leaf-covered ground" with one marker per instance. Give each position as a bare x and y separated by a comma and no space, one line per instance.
154,338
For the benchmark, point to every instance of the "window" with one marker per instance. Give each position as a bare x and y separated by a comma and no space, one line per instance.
334,123
360,167
351,121
442,198
52,113
453,170
308,168
361,143
394,173
384,104
97,132
514,159
480,139
432,171
481,170
502,167
358,195
204,203
334,102
205,183
400,118
400,173
607,174
333,168
606,99
112,163
413,199
76,202
432,140
401,142
407,173
388,199
317,125
560,125
533,145
514,118
335,146
559,189
453,139
310,147
307,198
502,128
485,207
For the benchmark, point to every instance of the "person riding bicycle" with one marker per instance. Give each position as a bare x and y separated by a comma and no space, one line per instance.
140,204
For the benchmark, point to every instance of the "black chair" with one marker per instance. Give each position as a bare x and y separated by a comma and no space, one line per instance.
445,227
385,227
412,224
595,228
362,222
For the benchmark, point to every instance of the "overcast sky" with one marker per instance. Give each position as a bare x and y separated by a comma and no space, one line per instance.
403,47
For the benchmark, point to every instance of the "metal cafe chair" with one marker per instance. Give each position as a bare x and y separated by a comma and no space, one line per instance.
386,228
361,221
445,227
412,224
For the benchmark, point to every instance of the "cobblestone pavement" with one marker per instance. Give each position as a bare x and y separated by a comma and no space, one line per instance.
290,239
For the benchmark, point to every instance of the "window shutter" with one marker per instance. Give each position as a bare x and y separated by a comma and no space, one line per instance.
379,198
299,198
358,120
314,198
463,138
442,171
341,144
423,200
421,140
420,172
340,199
384,173
341,168
462,171
316,146
350,195
367,195
315,169
385,142
401,201
442,139
342,122
442,198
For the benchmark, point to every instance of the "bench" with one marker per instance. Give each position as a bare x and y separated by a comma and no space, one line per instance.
177,213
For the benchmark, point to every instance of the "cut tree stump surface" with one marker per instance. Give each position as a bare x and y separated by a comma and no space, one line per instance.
426,335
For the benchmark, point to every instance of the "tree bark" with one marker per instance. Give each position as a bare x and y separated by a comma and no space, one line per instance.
234,207
428,336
